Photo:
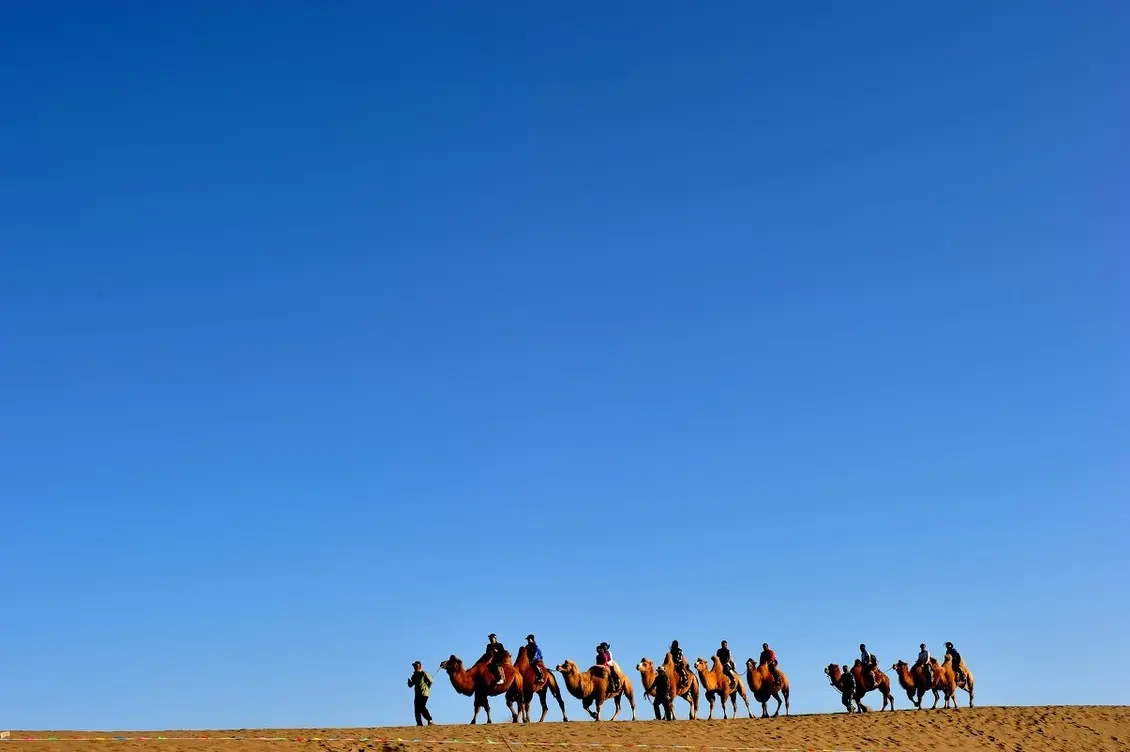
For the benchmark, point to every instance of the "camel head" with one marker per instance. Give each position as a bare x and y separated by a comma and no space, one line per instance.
751,664
644,665
700,664
901,666
566,668
833,671
451,664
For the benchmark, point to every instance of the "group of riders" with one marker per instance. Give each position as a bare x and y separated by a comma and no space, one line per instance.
870,662
495,654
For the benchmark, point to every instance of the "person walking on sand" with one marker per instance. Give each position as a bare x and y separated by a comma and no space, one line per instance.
423,684
847,689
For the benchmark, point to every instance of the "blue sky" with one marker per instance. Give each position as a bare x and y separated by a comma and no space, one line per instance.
336,337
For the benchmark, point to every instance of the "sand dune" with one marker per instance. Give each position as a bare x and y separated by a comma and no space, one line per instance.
1036,729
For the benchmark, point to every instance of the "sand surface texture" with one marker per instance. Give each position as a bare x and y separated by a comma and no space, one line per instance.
1039,729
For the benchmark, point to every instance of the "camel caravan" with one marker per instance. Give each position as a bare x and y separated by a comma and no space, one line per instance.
927,674
518,680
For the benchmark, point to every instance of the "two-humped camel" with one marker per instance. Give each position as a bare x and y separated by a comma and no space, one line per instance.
764,686
591,687
480,683
530,687
716,684
864,683
663,686
916,681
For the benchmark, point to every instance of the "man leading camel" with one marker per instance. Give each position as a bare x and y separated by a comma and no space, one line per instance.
723,656
847,688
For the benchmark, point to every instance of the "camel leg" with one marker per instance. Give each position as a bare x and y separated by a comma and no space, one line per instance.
481,701
765,709
935,705
561,702
544,707
862,708
710,715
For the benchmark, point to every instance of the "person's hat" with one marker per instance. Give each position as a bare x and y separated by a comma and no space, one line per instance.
492,636
765,645
949,644
417,663
923,646
529,637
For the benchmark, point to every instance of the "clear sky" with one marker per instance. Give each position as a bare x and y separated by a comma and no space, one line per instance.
338,335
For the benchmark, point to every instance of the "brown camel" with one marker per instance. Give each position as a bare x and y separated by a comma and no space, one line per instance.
764,686
915,681
965,681
591,687
864,683
481,684
716,683
944,681
530,687
688,689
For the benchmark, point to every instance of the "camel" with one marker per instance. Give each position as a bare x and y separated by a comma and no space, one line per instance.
480,683
965,682
688,689
946,681
864,683
591,687
657,686
914,680
764,686
530,687
716,683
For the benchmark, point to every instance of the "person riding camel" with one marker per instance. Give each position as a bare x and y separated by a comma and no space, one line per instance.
924,660
870,663
604,658
680,660
494,653
955,661
768,657
536,659
723,656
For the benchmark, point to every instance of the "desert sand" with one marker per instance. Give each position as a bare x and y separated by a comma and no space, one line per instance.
1013,729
